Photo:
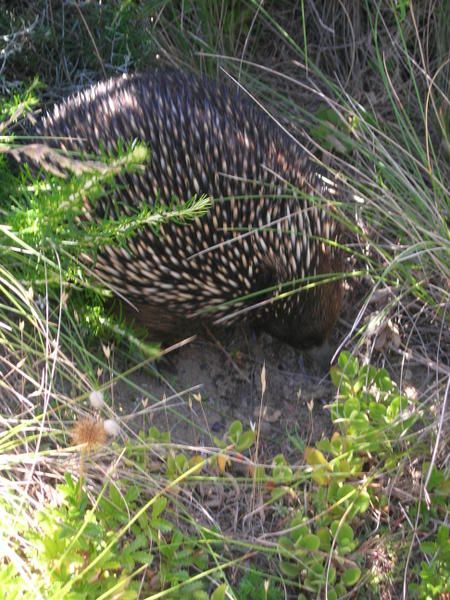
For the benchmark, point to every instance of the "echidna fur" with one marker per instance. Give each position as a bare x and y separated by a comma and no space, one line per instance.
258,253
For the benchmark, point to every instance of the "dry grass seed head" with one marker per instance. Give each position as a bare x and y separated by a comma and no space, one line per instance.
88,432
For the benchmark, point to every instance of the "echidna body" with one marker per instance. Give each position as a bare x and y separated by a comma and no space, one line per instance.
264,245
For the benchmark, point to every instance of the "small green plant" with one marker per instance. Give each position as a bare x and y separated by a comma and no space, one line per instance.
254,586
73,550
434,572
19,104
237,438
374,422
321,556
373,415
62,542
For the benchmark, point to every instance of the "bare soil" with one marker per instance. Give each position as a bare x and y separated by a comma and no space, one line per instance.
197,391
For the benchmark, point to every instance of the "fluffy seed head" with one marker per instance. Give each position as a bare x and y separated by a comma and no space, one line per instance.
89,433
259,252
96,399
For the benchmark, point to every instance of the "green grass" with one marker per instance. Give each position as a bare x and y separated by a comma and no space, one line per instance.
135,514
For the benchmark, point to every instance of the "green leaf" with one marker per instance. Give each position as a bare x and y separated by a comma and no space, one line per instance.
290,569
351,367
143,557
132,494
321,466
162,524
315,457
345,387
398,404
357,386
115,496
278,492
383,381
362,502
343,533
368,373
342,359
338,444
235,431
299,530
181,463
348,491
377,411
158,506
436,477
246,440
359,423
219,592
281,470
309,542
443,489
443,536
351,576
286,543
351,406
325,538
428,547
324,445
336,376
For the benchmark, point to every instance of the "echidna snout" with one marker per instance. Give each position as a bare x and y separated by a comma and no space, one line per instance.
264,247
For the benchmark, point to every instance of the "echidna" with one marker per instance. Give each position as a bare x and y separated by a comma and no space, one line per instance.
264,246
